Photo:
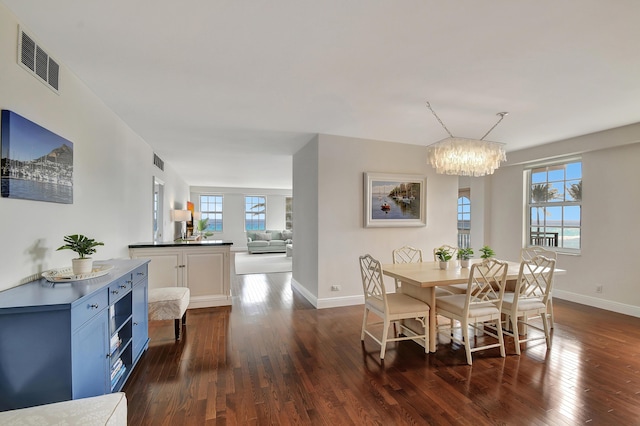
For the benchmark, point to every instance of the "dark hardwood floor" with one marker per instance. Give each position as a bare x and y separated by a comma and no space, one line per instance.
273,359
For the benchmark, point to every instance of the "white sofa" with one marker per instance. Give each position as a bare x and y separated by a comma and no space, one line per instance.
269,241
109,409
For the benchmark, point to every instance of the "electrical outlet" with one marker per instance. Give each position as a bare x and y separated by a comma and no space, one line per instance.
599,289
335,288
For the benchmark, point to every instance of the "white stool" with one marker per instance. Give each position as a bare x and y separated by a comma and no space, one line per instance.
169,303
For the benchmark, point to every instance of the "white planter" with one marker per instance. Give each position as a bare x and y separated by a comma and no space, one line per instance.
444,265
82,266
464,263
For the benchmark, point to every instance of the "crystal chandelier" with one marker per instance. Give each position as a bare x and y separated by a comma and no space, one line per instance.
466,157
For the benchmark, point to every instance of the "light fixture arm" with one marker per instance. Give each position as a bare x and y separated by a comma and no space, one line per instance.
501,114
438,118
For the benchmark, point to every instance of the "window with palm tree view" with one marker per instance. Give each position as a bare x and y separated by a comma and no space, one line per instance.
255,213
555,205
211,208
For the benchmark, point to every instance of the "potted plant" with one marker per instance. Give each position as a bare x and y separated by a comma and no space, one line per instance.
487,252
443,255
464,254
201,226
84,247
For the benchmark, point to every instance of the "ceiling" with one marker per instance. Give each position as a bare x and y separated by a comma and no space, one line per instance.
225,91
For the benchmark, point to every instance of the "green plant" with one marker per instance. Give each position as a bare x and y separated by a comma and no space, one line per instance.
465,253
443,254
487,252
202,224
80,244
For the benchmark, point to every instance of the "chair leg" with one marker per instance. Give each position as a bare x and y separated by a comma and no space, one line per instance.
515,331
500,337
385,335
552,318
426,334
178,327
364,323
547,335
466,341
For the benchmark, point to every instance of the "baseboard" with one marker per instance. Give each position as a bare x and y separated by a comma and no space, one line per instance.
595,302
330,302
336,302
305,293
196,302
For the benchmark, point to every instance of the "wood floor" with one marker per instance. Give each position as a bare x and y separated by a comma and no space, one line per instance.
273,359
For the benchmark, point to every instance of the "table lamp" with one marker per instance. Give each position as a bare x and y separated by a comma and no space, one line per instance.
181,216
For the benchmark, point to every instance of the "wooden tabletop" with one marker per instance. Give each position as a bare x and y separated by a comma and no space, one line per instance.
429,274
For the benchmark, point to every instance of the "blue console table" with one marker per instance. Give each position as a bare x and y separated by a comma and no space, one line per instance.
61,341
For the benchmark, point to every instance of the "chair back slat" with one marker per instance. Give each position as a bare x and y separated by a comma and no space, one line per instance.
372,281
529,253
535,278
407,254
487,282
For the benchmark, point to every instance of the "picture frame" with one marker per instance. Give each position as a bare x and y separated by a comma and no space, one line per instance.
394,200
36,164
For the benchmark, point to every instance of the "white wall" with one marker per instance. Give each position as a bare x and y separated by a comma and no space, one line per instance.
610,207
341,236
233,210
113,172
305,221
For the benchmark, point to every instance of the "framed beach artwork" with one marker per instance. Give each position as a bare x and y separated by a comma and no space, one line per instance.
36,164
392,200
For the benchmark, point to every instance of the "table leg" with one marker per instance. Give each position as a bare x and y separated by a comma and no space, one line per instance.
432,320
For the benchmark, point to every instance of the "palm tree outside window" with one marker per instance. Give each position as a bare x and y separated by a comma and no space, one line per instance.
255,213
555,205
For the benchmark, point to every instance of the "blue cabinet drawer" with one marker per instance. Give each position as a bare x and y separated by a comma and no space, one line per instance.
140,273
119,288
85,309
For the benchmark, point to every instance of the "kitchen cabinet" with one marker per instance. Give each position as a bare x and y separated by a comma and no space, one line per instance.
204,267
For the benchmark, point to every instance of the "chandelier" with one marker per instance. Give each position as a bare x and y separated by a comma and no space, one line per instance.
466,157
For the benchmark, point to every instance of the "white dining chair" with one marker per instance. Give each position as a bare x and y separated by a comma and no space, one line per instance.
405,254
529,253
530,297
479,306
391,308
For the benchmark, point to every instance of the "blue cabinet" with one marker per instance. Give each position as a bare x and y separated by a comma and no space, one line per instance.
89,346
72,340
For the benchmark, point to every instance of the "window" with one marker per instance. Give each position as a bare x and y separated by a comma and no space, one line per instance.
464,213
211,208
555,205
464,218
288,215
255,213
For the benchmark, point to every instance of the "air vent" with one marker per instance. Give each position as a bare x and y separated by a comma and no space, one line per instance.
38,62
158,162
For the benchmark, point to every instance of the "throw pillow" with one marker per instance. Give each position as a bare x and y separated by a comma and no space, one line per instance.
287,235
262,236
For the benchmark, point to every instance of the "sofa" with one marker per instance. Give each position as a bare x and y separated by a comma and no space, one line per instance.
269,241
109,409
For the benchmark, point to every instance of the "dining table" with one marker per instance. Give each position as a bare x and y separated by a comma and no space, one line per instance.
420,280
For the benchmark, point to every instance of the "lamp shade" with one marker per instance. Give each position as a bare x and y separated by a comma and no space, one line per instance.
466,157
180,215
197,215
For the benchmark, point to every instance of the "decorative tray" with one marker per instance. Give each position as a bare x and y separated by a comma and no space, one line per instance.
66,275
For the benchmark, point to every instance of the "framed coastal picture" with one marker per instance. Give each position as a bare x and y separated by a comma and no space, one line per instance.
36,164
392,200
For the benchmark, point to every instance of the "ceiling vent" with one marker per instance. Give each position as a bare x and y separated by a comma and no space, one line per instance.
158,161
38,62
